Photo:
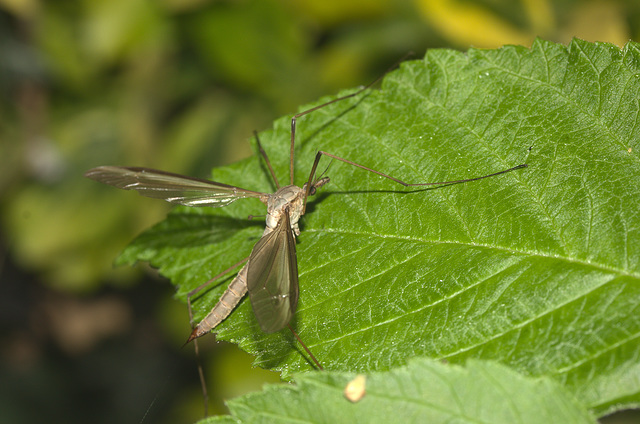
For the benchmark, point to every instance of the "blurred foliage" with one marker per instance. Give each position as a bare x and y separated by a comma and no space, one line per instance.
180,85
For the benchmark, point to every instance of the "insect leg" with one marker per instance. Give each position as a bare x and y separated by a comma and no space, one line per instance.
305,348
321,153
304,112
266,159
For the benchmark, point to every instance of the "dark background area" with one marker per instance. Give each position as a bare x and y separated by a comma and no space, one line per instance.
180,86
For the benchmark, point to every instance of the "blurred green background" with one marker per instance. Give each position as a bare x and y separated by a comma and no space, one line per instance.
178,85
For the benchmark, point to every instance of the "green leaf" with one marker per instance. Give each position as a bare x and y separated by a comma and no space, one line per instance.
423,391
537,269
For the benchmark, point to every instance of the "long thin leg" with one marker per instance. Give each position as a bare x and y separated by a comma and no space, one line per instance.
266,159
305,348
321,153
203,382
304,112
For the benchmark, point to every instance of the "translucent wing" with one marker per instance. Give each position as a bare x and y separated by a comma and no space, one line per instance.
171,187
272,277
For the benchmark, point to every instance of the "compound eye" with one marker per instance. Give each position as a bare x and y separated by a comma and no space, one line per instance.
312,191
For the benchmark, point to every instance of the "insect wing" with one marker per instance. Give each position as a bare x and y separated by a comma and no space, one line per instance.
272,277
171,187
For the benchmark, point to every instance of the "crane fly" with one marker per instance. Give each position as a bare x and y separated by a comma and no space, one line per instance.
270,274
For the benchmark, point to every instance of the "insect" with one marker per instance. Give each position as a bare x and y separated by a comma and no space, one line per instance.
270,274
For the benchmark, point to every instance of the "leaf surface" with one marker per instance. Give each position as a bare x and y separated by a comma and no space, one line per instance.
422,392
537,269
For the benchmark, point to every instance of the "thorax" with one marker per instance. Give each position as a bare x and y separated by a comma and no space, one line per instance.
290,196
